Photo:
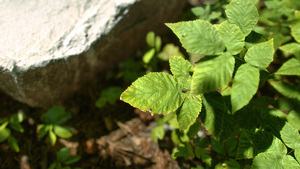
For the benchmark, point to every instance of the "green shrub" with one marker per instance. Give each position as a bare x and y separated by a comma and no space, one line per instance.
238,106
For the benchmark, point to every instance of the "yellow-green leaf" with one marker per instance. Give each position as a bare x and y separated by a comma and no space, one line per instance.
290,67
212,74
189,111
154,92
261,54
198,37
245,85
232,36
243,13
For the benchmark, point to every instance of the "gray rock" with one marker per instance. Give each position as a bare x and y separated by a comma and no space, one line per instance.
48,48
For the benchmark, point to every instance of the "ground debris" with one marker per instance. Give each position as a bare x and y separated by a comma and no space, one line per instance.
131,146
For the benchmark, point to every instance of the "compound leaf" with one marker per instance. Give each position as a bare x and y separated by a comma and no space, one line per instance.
189,111
155,92
245,85
243,13
198,37
290,67
212,74
261,54
232,36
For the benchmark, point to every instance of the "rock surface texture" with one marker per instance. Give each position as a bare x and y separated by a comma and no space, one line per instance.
47,48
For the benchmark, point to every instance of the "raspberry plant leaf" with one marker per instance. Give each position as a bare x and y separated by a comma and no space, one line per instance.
272,160
297,154
295,31
290,136
242,13
290,67
245,85
189,111
158,93
294,119
261,54
212,74
290,162
232,36
181,69
291,48
287,90
198,37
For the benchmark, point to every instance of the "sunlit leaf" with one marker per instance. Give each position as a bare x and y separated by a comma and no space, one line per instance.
245,85
155,92
198,37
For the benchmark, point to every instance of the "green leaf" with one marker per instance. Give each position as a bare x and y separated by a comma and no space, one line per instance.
245,85
13,143
72,160
245,148
295,31
63,154
198,37
242,13
266,161
261,54
212,74
290,163
291,48
150,39
4,134
148,56
185,151
155,92
42,130
218,121
56,115
290,136
158,133
189,111
232,36
52,137
294,119
297,154
290,67
181,69
287,90
277,147
62,132
109,96
169,51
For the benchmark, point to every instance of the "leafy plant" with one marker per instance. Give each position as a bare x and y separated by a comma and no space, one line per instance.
64,160
109,96
156,52
53,124
226,110
7,126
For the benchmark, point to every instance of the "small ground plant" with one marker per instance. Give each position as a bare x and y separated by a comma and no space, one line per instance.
238,106
53,125
10,125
